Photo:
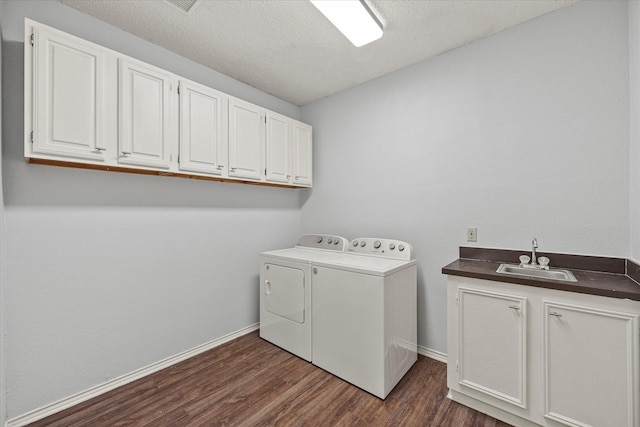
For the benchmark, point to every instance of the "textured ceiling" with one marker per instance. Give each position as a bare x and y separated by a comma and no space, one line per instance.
288,49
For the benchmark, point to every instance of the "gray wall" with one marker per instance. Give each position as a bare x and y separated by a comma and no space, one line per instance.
106,273
634,134
3,406
523,134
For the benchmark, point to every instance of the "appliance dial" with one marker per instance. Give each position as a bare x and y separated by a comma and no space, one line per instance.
330,241
377,244
363,244
392,246
401,248
319,239
335,242
355,243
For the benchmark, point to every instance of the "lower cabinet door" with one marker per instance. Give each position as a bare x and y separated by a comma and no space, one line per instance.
493,337
589,365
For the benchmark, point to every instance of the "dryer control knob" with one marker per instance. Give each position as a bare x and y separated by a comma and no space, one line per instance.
363,244
392,246
377,244
355,243
335,242
330,241
319,239
401,248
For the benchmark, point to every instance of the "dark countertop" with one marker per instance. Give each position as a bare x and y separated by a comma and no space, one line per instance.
610,277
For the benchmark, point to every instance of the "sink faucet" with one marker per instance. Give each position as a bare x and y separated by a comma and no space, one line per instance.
534,245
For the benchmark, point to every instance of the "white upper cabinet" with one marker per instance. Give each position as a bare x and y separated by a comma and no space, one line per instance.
144,114
246,139
68,95
278,148
288,150
302,154
87,105
203,129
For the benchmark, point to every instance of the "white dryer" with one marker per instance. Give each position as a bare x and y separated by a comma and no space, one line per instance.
285,291
364,314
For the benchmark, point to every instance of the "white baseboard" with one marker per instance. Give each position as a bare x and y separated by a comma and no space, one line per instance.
70,401
432,354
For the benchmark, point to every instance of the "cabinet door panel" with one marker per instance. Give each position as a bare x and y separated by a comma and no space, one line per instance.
202,129
69,96
144,115
493,344
589,365
278,146
302,154
246,139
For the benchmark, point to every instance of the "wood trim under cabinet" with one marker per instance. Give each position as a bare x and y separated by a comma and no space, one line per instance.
48,162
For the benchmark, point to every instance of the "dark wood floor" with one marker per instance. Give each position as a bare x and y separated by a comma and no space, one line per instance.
250,382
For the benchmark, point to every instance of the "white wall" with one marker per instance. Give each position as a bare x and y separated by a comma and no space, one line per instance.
106,273
523,134
634,128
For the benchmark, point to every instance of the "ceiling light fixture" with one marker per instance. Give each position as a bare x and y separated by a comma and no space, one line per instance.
353,18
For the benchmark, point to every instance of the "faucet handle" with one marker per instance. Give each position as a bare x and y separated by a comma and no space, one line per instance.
524,259
543,261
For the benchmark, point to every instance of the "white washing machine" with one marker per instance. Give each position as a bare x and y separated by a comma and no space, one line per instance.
364,314
285,291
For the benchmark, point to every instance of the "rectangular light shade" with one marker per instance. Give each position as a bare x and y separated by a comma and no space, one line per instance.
353,18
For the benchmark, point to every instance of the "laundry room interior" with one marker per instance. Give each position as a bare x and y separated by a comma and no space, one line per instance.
529,132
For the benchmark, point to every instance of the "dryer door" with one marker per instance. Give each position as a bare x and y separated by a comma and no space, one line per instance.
283,292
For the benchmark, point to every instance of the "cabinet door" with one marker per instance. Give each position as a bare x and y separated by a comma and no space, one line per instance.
302,154
246,139
69,96
278,148
590,362
203,129
144,114
493,337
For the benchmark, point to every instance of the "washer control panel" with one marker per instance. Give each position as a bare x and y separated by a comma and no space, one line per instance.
388,248
323,241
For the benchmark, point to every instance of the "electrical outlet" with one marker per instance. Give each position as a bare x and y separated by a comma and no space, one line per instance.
472,234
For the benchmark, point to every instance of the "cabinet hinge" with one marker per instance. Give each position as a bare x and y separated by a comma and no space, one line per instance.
265,171
456,366
32,40
31,137
178,89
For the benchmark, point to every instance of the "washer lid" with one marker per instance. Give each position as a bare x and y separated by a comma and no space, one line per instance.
301,254
365,264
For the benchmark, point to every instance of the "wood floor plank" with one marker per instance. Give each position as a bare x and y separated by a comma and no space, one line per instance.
250,382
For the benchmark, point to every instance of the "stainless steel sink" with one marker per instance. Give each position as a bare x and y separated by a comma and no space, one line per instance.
553,274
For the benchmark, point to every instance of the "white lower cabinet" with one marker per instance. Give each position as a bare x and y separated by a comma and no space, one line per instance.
590,363
534,356
493,342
